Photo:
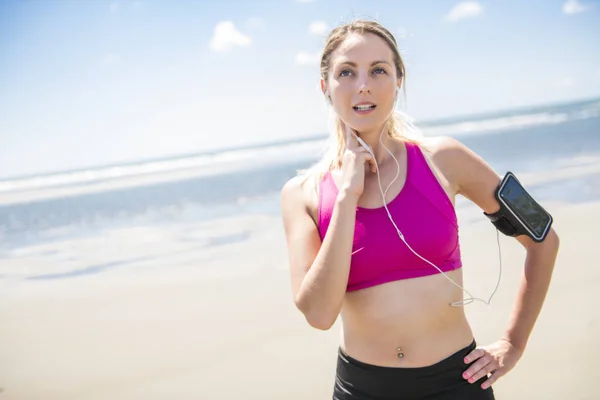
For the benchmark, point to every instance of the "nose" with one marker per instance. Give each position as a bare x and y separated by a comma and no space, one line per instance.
364,84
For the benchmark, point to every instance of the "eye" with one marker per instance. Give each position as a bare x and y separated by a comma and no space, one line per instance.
345,72
379,70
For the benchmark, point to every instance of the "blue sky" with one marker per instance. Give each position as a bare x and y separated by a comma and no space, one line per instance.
96,82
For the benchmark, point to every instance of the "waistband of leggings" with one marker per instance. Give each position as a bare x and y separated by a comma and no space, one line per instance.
453,360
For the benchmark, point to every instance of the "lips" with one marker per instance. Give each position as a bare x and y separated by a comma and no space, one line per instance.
364,106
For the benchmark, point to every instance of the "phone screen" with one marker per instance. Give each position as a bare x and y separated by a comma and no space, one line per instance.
525,207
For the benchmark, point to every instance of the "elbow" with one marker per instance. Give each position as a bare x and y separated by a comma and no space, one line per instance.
320,322
549,245
316,316
547,250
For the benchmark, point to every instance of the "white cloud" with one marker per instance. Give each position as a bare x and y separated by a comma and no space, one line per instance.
255,23
318,28
573,7
114,7
226,36
305,58
466,9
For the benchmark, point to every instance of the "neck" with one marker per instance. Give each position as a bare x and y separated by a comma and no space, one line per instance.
372,138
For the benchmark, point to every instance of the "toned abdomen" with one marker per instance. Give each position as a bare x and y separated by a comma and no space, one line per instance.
414,315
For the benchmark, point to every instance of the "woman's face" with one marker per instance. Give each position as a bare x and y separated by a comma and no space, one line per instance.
362,81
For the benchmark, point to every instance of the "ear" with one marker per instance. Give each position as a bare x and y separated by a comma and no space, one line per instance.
399,82
323,86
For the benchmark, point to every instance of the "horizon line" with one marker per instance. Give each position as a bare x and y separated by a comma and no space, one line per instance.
426,122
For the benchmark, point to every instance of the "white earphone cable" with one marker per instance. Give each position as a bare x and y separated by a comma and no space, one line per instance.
465,301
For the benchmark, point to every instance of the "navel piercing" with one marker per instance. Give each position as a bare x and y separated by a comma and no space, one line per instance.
400,353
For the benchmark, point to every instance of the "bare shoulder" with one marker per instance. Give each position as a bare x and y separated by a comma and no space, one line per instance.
467,172
292,186
445,149
299,194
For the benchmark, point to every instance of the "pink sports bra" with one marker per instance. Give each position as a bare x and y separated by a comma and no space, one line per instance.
423,213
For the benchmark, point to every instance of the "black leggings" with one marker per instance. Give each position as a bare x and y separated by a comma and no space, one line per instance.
356,380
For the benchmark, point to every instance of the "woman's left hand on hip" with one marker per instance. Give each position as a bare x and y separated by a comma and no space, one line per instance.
496,359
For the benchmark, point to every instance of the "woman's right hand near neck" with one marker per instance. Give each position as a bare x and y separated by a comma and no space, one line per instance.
355,161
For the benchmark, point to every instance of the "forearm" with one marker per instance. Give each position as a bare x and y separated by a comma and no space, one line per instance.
322,291
535,281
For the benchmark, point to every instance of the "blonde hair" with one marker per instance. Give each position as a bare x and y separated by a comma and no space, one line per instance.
399,125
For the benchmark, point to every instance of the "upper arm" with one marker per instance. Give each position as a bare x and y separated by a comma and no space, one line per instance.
473,178
301,232
470,175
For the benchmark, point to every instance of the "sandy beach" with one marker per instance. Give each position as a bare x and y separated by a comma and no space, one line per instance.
186,321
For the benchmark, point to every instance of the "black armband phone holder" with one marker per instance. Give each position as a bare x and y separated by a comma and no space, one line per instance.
502,223
519,213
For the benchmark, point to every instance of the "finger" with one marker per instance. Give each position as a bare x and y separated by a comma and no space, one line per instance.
362,150
482,372
475,368
367,157
474,355
492,379
372,163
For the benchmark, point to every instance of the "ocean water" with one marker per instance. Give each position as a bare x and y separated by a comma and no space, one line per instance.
560,142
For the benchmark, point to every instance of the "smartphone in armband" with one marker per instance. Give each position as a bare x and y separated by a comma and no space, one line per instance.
519,213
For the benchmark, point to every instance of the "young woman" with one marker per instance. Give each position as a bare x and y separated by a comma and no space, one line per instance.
404,330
